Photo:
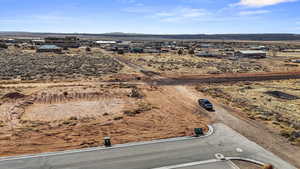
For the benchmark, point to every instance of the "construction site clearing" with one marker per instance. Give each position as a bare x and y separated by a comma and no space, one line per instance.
73,99
68,117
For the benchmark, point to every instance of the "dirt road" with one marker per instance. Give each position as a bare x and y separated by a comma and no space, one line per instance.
223,78
253,130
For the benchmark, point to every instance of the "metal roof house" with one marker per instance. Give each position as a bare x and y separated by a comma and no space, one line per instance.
64,42
49,48
251,54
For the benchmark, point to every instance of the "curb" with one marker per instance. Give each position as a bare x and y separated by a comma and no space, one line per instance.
21,157
246,160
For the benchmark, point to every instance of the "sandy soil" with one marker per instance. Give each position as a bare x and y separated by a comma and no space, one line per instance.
254,100
171,63
229,115
245,165
61,116
54,122
254,130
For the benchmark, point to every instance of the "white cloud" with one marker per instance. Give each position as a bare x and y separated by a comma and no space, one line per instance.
138,8
261,3
182,13
165,14
256,12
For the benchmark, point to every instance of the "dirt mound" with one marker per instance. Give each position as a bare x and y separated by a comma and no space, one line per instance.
13,95
282,95
65,97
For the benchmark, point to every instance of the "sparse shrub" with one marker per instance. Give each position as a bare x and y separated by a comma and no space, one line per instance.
118,118
286,132
65,93
135,93
143,107
180,52
88,49
191,52
3,45
73,118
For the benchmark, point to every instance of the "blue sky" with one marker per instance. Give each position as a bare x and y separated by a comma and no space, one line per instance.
151,16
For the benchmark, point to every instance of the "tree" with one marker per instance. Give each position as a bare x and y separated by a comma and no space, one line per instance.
180,52
3,45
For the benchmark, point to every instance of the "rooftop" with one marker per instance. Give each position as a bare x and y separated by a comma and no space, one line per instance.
252,52
49,47
106,42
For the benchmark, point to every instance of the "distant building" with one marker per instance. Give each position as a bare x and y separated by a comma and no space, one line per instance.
259,48
10,41
63,42
38,42
49,48
296,61
124,46
151,50
257,54
137,50
205,54
101,42
206,45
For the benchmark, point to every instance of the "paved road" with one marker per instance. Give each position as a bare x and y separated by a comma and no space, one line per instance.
213,164
151,155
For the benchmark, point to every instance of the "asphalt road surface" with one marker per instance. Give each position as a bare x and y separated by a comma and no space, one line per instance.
156,154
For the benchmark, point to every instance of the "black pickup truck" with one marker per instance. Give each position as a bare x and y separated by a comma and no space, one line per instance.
206,104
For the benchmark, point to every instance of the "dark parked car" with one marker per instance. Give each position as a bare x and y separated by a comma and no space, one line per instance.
206,104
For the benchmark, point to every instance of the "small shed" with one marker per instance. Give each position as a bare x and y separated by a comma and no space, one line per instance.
257,54
49,48
137,50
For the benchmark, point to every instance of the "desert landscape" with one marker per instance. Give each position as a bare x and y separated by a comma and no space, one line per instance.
72,99
275,103
141,84
188,64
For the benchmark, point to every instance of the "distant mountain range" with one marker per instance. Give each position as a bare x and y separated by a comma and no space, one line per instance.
136,36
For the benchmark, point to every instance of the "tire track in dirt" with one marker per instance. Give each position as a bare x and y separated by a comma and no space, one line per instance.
252,130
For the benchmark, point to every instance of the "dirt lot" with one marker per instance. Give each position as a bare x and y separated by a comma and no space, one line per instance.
275,103
49,66
51,118
184,64
77,109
